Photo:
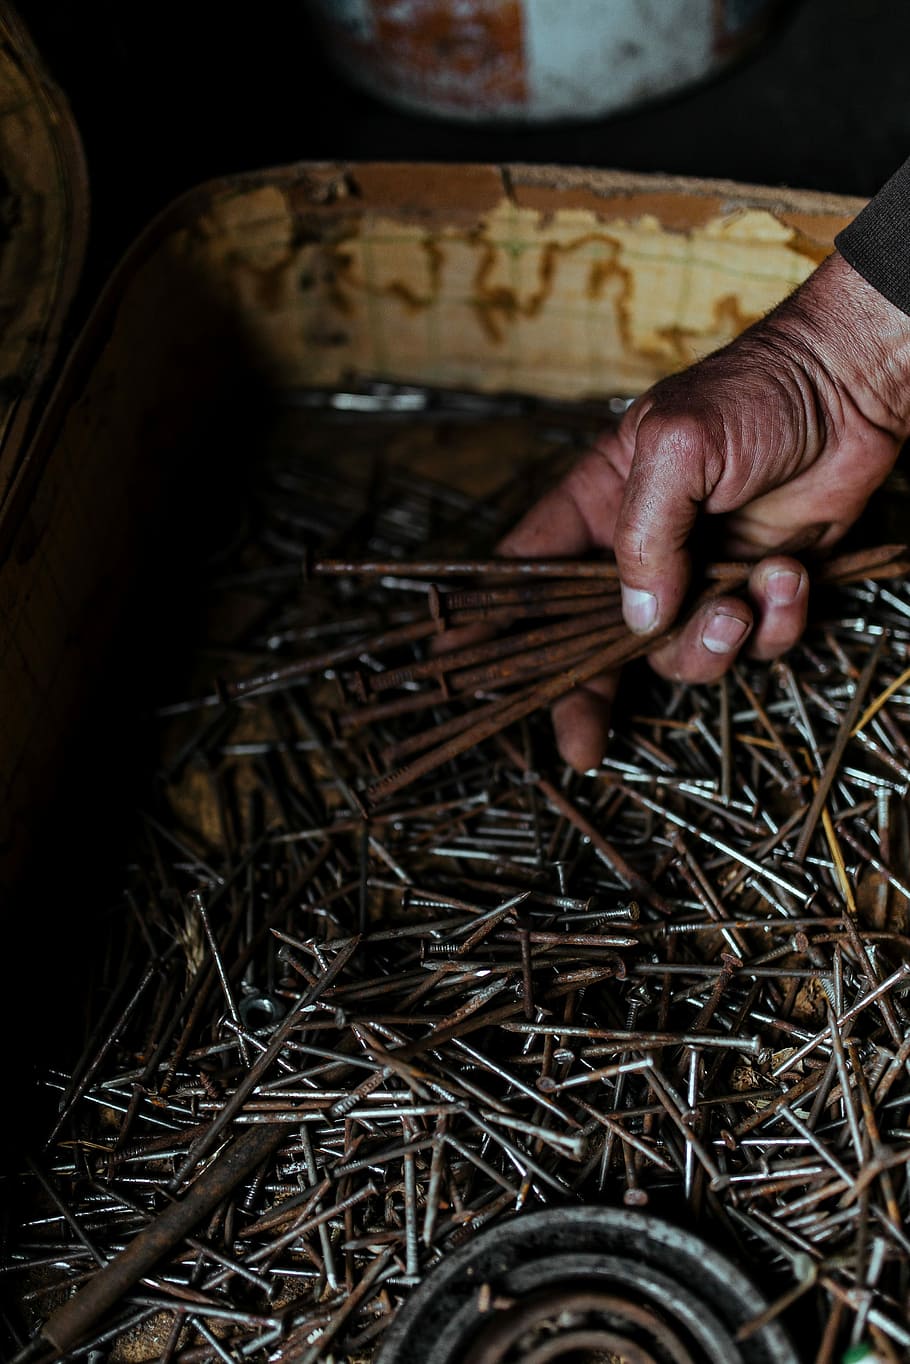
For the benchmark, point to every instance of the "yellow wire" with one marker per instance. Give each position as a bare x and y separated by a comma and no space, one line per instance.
838,856
875,706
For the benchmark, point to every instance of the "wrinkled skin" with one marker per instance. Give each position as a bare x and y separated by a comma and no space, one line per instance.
783,435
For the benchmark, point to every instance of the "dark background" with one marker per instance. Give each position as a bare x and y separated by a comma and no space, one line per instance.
171,94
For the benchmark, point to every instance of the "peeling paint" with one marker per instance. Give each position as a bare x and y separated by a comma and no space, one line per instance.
533,59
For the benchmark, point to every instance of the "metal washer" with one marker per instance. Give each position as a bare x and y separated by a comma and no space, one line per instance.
585,1283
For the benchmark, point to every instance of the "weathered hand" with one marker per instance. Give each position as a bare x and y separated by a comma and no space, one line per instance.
784,434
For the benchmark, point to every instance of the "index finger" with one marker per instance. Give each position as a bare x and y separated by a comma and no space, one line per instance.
579,513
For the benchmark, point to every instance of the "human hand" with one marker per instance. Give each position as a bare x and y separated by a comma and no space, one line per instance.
784,434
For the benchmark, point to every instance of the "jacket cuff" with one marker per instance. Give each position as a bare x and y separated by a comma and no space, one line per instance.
877,242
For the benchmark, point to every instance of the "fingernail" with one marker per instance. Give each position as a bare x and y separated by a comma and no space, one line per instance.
783,586
723,633
639,609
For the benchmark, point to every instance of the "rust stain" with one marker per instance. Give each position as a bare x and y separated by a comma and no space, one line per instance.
335,272
469,56
323,187
727,317
418,191
821,227
413,301
813,234
268,280
332,270
498,305
495,305
602,271
805,246
674,211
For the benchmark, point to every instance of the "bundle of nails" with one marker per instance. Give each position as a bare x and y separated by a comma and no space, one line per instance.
397,973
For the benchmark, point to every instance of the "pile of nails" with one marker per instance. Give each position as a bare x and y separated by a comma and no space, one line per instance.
367,1015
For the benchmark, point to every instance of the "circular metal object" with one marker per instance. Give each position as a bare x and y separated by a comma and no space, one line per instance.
583,1286
258,1011
533,60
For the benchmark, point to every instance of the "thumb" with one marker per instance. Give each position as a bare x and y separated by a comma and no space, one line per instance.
677,461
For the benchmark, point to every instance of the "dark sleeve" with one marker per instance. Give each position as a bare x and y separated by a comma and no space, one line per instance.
877,242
